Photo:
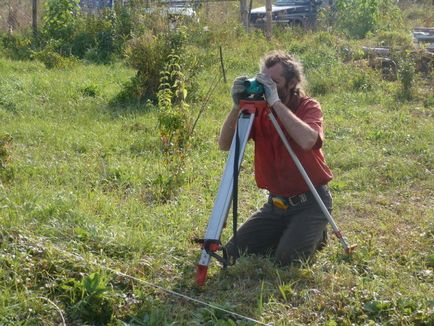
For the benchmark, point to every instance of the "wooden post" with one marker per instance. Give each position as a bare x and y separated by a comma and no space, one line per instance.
207,9
35,17
244,13
223,66
269,23
12,17
248,15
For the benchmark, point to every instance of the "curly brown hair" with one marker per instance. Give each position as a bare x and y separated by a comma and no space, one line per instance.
292,68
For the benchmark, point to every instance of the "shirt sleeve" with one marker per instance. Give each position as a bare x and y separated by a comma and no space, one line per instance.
311,114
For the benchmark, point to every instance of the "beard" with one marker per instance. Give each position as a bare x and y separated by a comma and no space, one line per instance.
284,93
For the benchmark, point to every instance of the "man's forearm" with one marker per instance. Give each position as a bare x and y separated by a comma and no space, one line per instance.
301,132
228,128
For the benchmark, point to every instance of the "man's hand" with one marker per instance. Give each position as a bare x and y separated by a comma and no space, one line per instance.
238,88
270,88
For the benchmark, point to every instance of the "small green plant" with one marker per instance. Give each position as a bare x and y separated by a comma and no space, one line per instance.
429,102
406,75
5,157
209,316
90,90
94,304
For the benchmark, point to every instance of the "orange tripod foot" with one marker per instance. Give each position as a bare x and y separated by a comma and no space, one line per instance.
201,273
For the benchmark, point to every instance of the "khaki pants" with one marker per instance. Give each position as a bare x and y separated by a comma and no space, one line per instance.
289,235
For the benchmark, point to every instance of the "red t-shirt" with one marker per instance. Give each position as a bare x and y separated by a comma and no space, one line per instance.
274,168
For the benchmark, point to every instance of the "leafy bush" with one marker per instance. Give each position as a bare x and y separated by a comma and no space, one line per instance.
16,46
148,55
52,59
59,23
96,38
395,39
357,18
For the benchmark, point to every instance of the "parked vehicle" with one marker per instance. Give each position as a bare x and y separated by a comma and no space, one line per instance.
288,12
174,8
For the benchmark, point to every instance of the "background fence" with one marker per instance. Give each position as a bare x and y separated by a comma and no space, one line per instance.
17,15
20,15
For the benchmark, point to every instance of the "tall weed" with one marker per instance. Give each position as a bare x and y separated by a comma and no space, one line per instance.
406,75
175,123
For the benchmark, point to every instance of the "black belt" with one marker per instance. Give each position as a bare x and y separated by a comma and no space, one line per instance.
286,202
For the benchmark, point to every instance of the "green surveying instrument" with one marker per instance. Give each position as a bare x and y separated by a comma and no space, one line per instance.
252,103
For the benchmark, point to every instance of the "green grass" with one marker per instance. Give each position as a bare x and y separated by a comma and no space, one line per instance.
79,178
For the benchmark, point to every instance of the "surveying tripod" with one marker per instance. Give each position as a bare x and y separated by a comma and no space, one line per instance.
228,187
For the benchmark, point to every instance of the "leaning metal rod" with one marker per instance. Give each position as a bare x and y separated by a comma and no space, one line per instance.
348,249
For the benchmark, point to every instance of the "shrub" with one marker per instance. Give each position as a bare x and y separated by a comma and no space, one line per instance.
357,18
52,59
95,38
90,90
17,46
59,23
148,55
395,39
406,75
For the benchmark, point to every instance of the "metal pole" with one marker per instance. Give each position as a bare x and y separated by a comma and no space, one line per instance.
223,200
348,249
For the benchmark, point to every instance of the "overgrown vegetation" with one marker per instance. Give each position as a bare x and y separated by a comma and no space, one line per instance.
174,124
357,18
103,184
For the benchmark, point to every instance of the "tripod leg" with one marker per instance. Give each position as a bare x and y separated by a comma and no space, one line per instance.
211,242
348,249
